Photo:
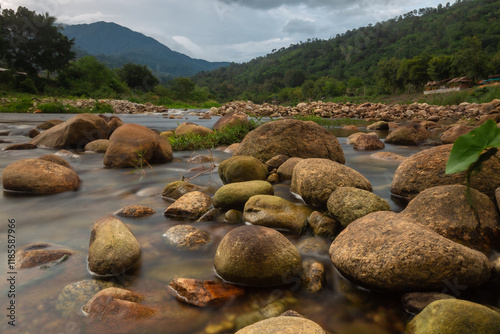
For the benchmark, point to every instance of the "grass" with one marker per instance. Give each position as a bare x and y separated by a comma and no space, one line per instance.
228,136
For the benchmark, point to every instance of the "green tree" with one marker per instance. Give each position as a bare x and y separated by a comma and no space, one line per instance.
440,67
182,88
387,75
471,60
138,77
413,72
294,77
32,43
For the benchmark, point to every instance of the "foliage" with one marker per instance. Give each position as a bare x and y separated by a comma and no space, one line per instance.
32,43
138,77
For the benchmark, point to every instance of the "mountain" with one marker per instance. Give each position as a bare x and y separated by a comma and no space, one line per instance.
116,45
325,68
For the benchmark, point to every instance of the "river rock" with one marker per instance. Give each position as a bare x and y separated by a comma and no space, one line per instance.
74,295
346,204
98,146
17,147
285,171
76,132
190,206
113,248
188,128
415,302
426,169
257,256
322,225
37,254
114,122
55,159
380,125
315,179
407,135
313,247
235,195
38,176
313,280
177,189
276,161
446,210
453,316
368,142
293,138
135,211
116,303
242,168
276,212
283,325
186,238
231,120
49,124
450,135
133,144
204,293
390,251
388,156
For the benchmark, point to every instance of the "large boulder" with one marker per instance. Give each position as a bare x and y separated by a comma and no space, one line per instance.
76,132
188,128
133,145
113,248
315,179
276,212
426,169
39,176
293,138
235,195
257,256
454,316
242,168
231,120
390,251
407,135
446,210
346,204
283,325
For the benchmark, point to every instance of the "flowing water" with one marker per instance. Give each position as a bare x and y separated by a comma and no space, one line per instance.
66,220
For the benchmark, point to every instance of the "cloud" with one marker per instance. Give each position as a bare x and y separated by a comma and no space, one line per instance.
193,49
84,18
268,4
300,26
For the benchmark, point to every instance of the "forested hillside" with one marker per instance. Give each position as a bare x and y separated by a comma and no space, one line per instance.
398,55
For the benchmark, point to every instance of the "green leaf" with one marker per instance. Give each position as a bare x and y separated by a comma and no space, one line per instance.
467,148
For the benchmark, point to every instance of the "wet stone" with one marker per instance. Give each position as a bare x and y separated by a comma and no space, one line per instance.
203,293
23,146
415,302
187,238
190,206
135,211
313,279
35,255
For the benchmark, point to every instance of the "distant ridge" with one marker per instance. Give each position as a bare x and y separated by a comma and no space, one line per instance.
116,45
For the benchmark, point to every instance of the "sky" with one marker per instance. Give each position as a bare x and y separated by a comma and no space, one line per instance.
227,30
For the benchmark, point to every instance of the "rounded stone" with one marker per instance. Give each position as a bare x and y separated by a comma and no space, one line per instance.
323,226
368,142
242,168
426,169
186,238
346,204
231,120
315,179
98,146
380,125
188,128
446,210
454,316
257,256
450,135
135,210
407,135
38,176
276,212
113,248
190,206
235,195
37,254
293,138
283,325
285,171
177,189
390,251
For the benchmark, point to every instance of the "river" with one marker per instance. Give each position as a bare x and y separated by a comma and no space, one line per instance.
66,219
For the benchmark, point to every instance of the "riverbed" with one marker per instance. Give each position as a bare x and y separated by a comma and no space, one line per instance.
66,220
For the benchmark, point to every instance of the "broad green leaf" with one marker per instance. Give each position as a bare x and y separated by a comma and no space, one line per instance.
467,148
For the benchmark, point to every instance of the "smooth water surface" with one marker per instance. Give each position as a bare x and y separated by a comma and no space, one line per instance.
66,219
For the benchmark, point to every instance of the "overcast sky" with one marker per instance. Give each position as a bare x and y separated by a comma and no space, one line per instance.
227,30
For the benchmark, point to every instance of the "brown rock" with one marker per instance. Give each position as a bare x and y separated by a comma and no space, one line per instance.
450,135
293,138
388,156
177,189
415,302
133,144
187,128
190,206
23,146
33,133
40,253
426,169
241,169
446,210
231,120
323,226
204,293
314,276
276,161
39,176
366,142
407,135
283,325
285,171
48,124
135,211
55,159
98,146
187,237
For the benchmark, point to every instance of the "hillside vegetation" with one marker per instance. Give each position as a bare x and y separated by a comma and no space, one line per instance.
396,56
